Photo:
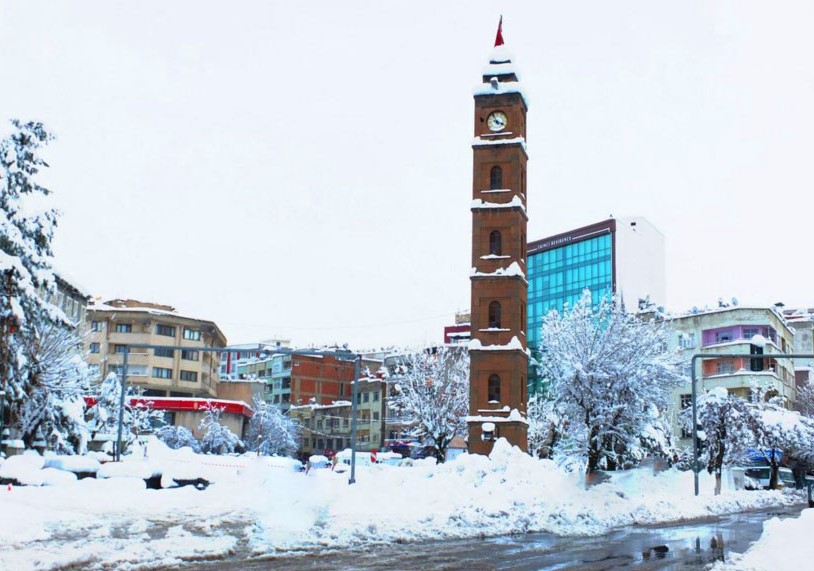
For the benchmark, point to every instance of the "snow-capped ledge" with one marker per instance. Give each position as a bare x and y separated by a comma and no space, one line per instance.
500,88
514,416
515,202
513,345
494,257
478,142
512,271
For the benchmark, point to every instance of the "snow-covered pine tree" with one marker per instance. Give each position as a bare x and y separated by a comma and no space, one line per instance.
217,439
432,389
25,262
271,432
611,377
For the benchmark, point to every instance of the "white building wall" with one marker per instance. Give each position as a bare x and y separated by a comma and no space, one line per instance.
640,262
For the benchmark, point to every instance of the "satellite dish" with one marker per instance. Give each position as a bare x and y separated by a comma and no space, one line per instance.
734,301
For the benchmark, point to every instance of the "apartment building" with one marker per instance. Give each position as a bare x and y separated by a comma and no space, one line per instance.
802,320
325,428
371,400
186,372
739,330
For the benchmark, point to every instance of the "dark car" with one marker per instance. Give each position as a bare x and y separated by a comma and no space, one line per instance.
421,452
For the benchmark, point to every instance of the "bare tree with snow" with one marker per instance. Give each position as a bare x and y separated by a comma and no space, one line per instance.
724,431
217,438
610,377
777,430
271,432
176,437
103,416
432,389
53,406
804,400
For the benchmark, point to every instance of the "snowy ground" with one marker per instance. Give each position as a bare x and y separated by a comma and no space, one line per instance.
784,546
258,506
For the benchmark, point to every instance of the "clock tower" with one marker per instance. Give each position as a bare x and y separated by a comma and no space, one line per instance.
498,357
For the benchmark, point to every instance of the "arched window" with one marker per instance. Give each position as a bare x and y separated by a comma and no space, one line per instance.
494,314
494,388
496,178
495,243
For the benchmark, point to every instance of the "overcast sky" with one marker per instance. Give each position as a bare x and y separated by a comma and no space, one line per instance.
303,169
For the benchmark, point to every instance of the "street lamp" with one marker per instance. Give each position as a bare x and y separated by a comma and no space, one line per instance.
702,356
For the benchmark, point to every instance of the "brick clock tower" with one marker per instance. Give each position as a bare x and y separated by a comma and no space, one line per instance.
499,362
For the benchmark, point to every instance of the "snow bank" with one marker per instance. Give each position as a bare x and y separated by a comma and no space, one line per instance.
784,546
117,522
72,463
23,467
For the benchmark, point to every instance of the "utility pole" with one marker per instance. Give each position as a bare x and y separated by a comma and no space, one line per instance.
353,420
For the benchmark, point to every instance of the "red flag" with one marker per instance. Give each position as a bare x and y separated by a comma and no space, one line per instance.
499,37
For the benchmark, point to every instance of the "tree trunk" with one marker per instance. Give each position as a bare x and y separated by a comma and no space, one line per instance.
717,482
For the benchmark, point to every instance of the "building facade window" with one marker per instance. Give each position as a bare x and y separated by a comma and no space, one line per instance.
192,334
375,415
162,373
494,314
495,243
724,367
496,178
190,376
96,326
686,340
124,328
494,388
723,336
94,348
160,352
375,396
120,349
188,355
165,330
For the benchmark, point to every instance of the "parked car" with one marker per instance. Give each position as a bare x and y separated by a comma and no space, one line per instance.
757,477
422,452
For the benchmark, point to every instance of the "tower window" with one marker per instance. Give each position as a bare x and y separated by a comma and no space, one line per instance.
495,243
494,388
496,178
494,314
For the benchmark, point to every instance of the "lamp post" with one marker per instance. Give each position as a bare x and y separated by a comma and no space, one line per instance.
353,420
701,357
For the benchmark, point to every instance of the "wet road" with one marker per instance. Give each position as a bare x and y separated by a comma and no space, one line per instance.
686,546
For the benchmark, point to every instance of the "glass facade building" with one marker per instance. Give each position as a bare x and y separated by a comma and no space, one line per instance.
558,270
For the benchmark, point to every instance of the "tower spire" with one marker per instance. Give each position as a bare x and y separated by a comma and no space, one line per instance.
499,36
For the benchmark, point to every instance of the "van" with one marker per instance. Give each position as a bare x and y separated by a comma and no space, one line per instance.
757,478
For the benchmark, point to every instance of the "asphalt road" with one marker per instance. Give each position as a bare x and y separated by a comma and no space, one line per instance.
685,546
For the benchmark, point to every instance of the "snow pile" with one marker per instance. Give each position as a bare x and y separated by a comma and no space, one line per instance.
117,522
784,546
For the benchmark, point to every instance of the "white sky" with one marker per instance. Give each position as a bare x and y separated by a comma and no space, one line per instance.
304,168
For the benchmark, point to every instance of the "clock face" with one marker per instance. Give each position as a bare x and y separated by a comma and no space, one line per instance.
497,121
